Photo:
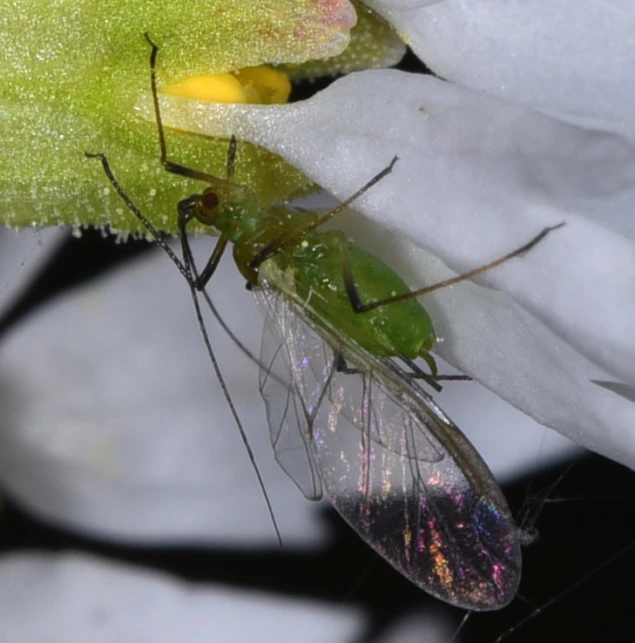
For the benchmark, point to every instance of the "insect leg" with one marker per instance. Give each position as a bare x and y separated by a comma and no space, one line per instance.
187,207
363,307
195,280
170,166
359,307
434,377
187,254
231,159
342,367
295,236
187,211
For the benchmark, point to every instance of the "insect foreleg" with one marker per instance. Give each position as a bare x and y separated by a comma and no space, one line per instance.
231,159
212,263
170,166
186,213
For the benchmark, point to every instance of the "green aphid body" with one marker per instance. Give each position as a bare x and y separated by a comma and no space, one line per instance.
311,272
402,328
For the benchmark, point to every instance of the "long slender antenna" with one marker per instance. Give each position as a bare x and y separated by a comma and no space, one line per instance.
154,233
296,235
188,271
190,266
191,276
160,241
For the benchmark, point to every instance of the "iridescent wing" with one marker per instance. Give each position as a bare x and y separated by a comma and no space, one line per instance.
288,412
391,462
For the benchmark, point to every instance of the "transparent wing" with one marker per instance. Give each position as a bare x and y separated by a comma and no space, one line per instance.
292,399
288,409
391,462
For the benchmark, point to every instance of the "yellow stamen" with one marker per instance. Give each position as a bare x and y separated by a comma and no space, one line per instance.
260,85
219,88
272,87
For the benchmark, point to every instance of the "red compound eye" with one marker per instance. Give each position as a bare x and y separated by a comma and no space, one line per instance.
210,201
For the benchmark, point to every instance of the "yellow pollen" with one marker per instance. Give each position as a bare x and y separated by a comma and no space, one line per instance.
259,85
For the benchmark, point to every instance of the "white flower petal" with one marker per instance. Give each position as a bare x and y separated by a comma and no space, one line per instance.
113,421
476,178
573,59
78,598
415,628
111,457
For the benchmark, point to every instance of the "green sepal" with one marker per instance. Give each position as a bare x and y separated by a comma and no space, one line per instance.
73,72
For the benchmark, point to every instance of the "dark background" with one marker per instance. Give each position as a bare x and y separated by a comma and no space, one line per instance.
593,519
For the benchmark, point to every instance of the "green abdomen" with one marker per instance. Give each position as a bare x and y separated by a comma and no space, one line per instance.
402,328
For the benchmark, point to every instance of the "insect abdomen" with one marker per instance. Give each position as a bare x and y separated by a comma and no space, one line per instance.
402,328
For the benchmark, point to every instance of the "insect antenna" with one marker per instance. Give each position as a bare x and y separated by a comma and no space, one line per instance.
187,269
160,241
187,266
283,241
199,279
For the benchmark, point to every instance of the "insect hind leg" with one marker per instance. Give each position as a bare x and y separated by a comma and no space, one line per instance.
341,366
362,307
